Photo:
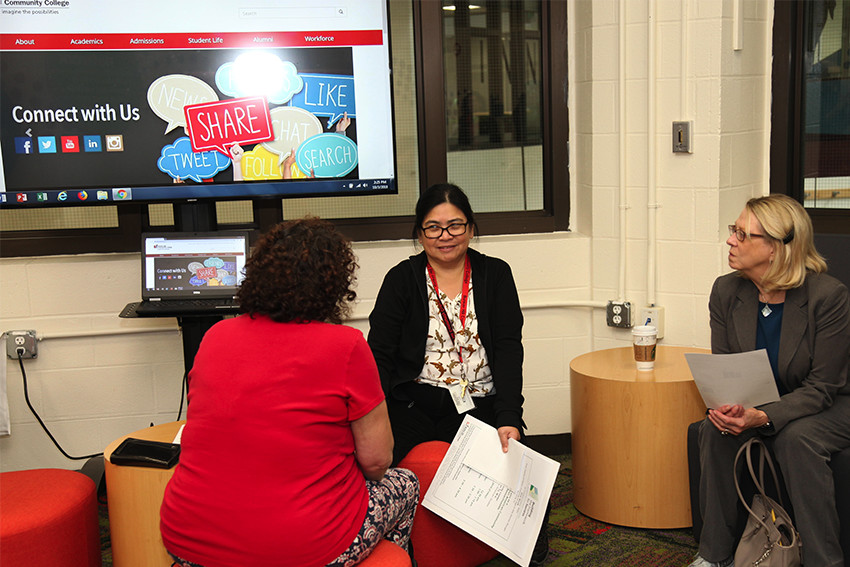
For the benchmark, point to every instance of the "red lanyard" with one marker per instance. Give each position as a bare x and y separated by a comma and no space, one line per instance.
464,297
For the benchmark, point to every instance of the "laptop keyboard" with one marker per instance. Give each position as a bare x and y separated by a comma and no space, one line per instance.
187,306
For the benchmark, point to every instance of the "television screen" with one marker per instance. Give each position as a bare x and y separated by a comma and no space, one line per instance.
103,102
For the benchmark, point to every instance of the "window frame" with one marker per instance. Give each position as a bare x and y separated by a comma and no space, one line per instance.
786,134
428,24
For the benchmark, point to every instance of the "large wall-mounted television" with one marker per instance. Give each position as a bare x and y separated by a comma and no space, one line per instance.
182,100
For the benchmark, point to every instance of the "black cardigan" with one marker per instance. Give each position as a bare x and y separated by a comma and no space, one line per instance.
398,329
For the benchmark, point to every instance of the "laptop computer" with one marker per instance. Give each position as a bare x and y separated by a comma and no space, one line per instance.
191,273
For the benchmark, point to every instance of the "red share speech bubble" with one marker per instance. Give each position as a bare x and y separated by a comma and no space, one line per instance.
218,125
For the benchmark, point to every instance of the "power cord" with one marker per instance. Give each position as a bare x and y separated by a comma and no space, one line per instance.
184,388
20,352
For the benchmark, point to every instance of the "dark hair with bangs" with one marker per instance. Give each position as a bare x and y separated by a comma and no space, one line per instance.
437,195
300,271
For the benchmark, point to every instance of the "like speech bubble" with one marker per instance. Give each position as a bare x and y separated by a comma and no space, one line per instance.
327,95
170,93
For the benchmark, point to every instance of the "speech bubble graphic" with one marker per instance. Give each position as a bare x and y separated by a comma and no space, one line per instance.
291,126
259,73
327,155
327,95
260,164
218,125
170,93
180,162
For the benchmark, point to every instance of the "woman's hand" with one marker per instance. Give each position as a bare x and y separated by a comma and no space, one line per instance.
734,419
507,432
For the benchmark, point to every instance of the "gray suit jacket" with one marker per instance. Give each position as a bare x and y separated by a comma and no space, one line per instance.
814,346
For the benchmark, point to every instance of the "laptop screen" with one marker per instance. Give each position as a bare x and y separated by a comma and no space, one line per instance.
193,264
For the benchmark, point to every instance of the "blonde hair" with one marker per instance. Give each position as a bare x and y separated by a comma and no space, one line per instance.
788,226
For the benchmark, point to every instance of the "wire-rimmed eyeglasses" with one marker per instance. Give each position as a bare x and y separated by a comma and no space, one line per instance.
436,231
741,234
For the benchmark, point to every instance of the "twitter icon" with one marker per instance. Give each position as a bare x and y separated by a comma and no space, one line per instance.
47,144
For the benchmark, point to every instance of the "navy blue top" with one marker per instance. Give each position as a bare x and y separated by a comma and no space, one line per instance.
767,337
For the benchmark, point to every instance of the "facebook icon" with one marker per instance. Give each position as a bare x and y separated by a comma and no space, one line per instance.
23,145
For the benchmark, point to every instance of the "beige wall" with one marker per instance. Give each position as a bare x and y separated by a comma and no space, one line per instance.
93,389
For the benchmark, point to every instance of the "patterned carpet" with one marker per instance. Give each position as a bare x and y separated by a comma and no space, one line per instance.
575,540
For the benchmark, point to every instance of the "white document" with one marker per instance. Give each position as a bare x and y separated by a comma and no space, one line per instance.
499,498
742,378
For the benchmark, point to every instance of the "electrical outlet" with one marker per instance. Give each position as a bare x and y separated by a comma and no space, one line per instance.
653,315
21,342
619,314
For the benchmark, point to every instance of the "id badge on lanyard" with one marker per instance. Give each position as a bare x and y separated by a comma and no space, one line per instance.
460,394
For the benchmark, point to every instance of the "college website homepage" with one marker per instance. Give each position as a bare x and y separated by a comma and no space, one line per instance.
158,100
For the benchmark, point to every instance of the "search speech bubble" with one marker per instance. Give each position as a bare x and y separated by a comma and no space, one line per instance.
180,162
259,73
327,95
327,155
168,95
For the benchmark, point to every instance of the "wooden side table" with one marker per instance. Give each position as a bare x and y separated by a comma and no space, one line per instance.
134,495
629,433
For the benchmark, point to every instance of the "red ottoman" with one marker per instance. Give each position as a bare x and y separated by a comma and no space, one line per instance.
48,518
386,554
436,542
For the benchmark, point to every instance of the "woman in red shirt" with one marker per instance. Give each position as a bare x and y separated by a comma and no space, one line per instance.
287,443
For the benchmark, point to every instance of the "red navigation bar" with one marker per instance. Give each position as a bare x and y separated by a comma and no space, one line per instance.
227,40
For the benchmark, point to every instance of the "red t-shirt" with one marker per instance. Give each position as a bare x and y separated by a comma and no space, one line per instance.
267,474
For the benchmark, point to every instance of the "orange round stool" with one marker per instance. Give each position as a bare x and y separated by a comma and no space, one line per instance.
386,554
436,542
48,519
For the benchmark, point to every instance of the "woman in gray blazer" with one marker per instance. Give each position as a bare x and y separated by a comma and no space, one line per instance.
779,299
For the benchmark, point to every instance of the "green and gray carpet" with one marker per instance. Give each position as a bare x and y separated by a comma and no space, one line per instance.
575,540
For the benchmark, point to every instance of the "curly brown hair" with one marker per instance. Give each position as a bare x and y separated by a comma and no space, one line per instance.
300,270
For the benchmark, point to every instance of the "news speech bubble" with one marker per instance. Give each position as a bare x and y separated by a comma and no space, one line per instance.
260,164
219,125
291,126
327,95
259,73
327,155
180,162
170,93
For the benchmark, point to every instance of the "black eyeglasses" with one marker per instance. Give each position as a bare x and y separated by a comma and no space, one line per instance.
741,234
436,231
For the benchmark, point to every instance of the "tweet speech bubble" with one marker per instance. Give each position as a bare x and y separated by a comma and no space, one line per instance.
170,93
180,162
327,155
259,73
291,126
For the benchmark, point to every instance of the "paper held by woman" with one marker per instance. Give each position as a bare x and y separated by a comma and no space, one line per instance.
743,378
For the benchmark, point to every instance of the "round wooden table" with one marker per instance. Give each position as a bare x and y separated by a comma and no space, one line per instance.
629,437
134,495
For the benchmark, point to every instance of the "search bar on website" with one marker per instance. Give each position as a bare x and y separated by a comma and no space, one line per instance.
293,12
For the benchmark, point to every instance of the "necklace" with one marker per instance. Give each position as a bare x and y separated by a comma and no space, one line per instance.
766,310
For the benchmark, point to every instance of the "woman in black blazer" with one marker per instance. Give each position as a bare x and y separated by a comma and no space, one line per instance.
779,299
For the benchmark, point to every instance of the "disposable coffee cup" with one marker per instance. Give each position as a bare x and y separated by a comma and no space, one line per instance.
645,338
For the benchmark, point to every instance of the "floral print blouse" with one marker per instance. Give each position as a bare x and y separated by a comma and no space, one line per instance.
442,367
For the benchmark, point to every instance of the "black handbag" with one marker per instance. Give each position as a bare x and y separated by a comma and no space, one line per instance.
770,539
